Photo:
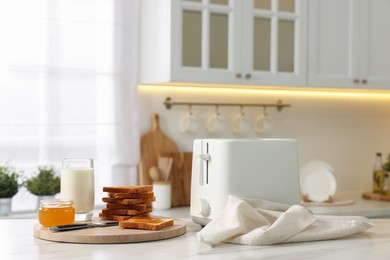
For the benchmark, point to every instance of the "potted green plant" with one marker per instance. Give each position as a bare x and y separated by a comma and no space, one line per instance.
9,186
45,184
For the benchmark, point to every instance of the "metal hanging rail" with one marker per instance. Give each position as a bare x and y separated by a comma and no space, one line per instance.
279,104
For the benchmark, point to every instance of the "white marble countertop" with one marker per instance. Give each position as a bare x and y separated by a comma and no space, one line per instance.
17,240
359,207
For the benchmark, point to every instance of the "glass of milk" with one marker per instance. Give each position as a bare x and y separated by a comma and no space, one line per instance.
77,184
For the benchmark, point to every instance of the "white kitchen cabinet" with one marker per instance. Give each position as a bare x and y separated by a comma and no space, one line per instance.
348,43
256,42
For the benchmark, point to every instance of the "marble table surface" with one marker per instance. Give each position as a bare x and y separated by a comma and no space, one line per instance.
17,242
355,206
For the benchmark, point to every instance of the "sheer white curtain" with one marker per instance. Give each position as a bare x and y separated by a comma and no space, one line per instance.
68,79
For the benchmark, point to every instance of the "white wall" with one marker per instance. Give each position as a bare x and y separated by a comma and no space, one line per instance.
345,130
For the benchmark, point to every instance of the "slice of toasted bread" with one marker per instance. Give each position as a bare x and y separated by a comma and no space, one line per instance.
138,206
119,217
148,223
128,201
125,212
134,195
122,201
114,217
129,188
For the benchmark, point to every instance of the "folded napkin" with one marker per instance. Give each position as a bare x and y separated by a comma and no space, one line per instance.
259,222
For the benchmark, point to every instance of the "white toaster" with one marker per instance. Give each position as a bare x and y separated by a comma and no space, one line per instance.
252,168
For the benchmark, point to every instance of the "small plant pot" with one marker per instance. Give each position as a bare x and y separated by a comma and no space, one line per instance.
5,206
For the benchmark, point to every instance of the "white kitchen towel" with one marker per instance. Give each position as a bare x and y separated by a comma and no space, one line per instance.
259,222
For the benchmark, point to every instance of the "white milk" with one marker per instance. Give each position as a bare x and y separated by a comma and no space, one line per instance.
77,184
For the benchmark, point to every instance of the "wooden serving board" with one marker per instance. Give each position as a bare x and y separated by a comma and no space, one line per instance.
110,235
374,196
154,144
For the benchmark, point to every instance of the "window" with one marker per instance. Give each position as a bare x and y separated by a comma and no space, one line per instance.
68,76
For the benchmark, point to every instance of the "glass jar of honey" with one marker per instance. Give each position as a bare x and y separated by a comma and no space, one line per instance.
56,212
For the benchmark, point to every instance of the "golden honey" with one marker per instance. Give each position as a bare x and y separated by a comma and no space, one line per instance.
56,212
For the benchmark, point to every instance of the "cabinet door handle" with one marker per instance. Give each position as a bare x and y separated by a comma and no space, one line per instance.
364,81
238,75
248,76
356,81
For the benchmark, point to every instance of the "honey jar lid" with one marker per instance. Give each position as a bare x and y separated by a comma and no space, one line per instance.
56,203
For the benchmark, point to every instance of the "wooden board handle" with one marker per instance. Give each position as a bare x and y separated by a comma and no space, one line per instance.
155,122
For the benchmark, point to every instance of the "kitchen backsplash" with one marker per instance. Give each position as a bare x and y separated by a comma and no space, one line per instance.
341,128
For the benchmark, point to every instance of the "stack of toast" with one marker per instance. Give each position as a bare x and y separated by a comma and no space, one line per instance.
131,205
124,202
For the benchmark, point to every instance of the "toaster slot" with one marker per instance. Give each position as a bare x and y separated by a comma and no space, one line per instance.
204,166
201,172
207,164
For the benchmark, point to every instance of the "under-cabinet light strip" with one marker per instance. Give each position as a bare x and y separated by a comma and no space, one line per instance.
290,91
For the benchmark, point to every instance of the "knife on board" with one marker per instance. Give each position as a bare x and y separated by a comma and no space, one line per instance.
83,225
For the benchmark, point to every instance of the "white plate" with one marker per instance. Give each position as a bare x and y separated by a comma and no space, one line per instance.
318,182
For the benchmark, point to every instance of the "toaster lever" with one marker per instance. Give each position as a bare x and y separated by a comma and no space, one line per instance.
205,156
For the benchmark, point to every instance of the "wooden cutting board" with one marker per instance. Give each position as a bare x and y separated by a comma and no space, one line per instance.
154,144
375,196
181,179
110,235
